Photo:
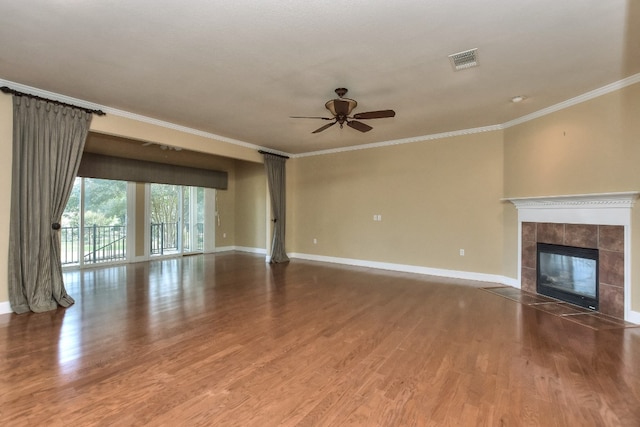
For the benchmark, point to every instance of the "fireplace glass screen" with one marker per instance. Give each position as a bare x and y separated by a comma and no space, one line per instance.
569,274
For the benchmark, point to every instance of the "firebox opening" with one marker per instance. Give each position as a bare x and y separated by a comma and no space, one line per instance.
569,274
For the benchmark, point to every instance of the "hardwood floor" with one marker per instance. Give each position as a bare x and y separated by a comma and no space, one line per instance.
227,340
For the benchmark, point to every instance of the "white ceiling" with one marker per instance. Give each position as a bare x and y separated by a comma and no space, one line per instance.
240,68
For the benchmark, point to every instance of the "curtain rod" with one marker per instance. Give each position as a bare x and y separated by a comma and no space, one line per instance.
7,90
273,154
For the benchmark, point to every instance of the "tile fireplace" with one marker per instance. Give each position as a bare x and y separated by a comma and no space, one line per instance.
597,222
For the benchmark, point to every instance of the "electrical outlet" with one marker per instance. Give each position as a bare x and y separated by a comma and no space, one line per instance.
315,241
461,252
224,235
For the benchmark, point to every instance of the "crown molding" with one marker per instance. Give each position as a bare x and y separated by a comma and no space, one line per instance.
574,101
402,141
137,117
52,95
125,114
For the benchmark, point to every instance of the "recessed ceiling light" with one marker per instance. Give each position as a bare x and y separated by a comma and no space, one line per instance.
517,99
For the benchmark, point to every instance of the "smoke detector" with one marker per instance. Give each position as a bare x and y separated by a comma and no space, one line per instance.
464,60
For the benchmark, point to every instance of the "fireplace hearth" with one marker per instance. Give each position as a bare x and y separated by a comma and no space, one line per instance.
568,273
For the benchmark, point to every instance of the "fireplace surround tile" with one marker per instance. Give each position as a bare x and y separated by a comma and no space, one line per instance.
611,238
529,254
611,300
612,268
550,233
529,232
581,235
529,279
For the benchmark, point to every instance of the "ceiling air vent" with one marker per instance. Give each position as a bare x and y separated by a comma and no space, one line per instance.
464,60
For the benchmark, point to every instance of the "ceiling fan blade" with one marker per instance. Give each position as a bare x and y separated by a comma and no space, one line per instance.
375,114
310,117
359,126
342,107
324,127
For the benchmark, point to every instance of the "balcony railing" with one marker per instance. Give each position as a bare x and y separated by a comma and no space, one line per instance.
108,243
164,238
100,244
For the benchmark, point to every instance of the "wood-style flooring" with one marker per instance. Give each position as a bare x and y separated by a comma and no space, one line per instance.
227,340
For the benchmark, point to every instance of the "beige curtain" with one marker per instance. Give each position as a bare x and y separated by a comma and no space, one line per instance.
48,140
276,178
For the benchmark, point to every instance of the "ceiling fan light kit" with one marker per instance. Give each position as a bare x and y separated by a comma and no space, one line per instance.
341,109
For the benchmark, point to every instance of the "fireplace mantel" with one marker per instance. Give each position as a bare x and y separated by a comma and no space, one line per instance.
603,208
596,209
583,201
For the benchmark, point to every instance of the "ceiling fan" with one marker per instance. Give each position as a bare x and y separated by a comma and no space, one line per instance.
341,109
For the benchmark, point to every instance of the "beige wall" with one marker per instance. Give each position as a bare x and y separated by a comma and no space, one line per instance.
226,207
592,147
129,128
250,212
435,198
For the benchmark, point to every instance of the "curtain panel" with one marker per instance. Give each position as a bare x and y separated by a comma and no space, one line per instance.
276,178
48,140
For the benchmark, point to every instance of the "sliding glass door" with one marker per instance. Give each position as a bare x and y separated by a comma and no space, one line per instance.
176,219
193,219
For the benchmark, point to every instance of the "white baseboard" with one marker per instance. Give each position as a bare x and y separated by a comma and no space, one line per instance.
405,268
634,317
250,250
5,307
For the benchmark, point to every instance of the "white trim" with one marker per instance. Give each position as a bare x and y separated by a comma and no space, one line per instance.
51,95
133,116
576,100
406,268
557,107
5,307
598,200
260,251
597,209
401,141
603,208
634,317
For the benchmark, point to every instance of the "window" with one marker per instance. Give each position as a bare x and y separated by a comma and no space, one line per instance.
94,223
